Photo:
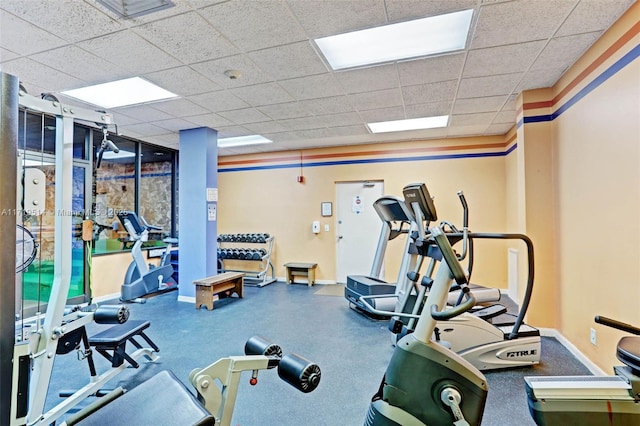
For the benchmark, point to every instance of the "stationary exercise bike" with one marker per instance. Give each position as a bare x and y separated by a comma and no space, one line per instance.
588,400
140,278
425,382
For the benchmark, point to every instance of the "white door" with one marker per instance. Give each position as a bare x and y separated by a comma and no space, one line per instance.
357,227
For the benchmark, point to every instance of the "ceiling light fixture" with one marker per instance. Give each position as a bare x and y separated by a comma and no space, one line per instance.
134,8
410,39
410,124
242,141
130,91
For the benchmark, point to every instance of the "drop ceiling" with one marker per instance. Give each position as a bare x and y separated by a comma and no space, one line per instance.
286,91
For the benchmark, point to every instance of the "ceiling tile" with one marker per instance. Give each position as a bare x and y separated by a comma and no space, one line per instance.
179,107
244,116
593,15
401,10
518,21
316,133
142,129
315,86
539,79
499,128
182,81
167,139
75,61
252,25
262,94
145,113
198,40
212,121
215,69
461,131
375,100
343,119
232,132
304,123
383,114
266,127
354,130
472,119
218,101
289,61
7,55
131,52
321,18
474,105
30,71
430,92
562,52
13,36
431,70
504,117
174,124
332,105
123,120
476,87
428,110
81,20
366,79
513,58
286,110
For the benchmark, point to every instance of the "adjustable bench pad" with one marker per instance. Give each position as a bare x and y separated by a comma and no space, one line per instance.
163,400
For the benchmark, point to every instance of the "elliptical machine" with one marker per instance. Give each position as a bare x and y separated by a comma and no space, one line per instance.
426,383
140,278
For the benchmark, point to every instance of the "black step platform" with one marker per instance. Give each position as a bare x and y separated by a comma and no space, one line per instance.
115,339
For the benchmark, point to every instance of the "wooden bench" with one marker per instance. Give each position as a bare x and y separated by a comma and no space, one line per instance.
301,269
206,288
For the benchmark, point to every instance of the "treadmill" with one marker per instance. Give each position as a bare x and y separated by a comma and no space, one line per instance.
396,219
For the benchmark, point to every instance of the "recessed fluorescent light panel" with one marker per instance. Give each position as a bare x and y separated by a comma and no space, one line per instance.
410,124
242,141
411,39
119,93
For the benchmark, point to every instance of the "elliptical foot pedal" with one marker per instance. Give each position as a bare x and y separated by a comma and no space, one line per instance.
489,312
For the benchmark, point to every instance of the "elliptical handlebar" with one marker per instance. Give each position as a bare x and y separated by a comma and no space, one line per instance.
460,309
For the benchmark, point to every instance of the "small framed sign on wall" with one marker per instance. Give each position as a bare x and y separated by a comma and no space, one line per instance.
327,209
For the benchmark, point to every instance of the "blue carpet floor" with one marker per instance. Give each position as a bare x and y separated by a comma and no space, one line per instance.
351,350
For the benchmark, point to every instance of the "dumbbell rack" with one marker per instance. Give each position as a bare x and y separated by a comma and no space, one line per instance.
233,248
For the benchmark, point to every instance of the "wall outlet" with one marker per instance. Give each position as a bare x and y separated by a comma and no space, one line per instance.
593,336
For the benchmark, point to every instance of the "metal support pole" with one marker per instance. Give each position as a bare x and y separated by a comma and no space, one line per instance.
9,88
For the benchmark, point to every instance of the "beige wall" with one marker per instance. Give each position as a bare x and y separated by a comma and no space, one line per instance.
273,201
589,156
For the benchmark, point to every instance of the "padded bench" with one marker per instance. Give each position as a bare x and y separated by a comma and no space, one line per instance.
206,288
161,400
112,342
301,269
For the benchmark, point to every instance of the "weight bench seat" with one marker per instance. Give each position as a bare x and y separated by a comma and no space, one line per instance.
115,339
161,400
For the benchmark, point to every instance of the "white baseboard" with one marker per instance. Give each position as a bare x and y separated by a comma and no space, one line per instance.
284,280
106,297
593,368
188,299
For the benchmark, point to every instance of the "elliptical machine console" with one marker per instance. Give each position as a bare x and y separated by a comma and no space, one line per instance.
141,279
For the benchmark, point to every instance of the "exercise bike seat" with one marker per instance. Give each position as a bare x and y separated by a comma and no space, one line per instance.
628,352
